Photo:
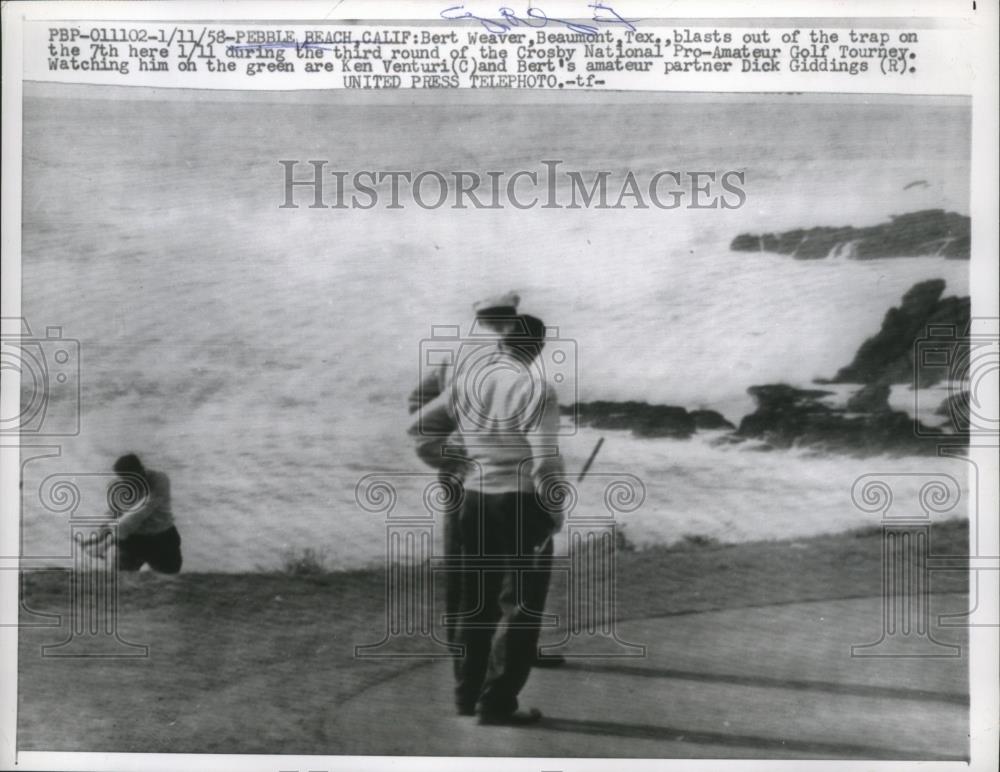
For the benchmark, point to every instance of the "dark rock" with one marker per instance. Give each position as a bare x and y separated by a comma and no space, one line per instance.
782,411
888,356
643,419
923,323
957,402
957,408
872,398
928,232
709,419
787,416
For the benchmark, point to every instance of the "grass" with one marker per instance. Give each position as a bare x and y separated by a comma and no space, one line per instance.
258,663
689,541
304,562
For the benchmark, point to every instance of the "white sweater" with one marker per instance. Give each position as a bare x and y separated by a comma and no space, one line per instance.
507,416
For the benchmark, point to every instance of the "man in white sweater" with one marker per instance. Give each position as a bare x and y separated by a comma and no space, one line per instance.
506,416
495,317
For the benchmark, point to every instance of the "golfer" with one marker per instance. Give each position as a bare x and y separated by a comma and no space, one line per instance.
144,533
507,417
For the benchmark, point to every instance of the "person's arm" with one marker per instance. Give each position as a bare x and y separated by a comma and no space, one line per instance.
107,529
548,469
158,497
97,538
431,428
98,542
429,389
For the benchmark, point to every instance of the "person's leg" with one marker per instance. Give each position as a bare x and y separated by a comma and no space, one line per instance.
512,653
453,576
130,554
535,583
164,552
479,590
516,638
536,542
476,633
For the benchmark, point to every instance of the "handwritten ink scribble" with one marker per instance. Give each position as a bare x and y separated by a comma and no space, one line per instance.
536,18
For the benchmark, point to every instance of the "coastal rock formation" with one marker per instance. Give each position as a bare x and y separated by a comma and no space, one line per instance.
709,419
787,416
957,408
928,232
645,420
871,398
888,356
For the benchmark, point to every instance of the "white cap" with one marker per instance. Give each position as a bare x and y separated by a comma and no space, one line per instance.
497,303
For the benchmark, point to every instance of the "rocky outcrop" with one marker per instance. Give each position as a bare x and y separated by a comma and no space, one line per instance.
709,420
645,420
871,398
888,356
957,408
787,416
928,232
923,322
782,411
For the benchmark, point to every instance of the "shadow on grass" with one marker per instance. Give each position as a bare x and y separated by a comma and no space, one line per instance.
738,741
830,687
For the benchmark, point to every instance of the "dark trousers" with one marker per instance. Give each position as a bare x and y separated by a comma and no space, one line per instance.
452,578
503,584
161,550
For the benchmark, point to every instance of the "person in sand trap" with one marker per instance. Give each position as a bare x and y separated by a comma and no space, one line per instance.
145,532
507,416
